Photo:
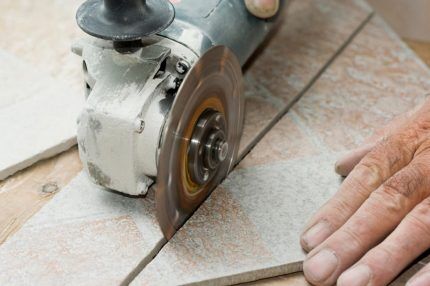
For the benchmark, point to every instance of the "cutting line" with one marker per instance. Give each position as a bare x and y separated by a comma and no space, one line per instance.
132,275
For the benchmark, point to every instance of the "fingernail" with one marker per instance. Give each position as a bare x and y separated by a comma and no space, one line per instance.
357,276
320,266
316,234
420,280
262,8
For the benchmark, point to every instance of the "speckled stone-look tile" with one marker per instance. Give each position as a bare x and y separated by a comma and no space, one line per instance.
376,78
289,174
37,115
41,81
84,236
311,35
288,139
249,227
260,109
41,34
90,227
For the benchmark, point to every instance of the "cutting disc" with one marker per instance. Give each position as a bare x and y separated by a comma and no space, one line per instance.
201,137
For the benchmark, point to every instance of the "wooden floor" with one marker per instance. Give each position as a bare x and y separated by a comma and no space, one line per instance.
422,49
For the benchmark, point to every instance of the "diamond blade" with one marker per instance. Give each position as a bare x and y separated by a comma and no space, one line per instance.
213,86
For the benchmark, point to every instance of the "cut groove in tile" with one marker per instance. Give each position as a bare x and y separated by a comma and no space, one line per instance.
249,227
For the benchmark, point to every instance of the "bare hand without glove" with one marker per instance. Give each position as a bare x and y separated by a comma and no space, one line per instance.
379,220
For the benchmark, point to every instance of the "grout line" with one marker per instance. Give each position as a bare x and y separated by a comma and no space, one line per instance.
135,272
285,110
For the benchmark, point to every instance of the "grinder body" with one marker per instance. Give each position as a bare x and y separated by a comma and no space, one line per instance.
201,25
165,100
120,131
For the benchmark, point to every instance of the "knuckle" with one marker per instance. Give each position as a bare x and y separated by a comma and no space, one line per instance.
400,192
420,220
393,152
354,238
357,185
386,253
388,200
368,175
402,185
340,209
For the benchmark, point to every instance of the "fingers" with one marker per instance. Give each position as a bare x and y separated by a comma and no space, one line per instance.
384,160
345,164
384,262
422,278
374,220
262,8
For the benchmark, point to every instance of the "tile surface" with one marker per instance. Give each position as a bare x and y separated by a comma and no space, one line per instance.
249,227
37,115
41,81
312,32
289,174
83,236
88,216
310,36
40,33
376,78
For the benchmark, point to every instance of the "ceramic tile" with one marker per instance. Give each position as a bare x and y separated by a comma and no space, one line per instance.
239,204
41,33
235,237
282,182
41,81
83,236
288,139
311,35
37,115
260,109
376,78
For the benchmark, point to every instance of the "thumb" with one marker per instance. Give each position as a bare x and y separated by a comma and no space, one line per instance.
262,8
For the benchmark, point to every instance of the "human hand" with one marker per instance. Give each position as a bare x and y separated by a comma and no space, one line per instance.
262,8
379,220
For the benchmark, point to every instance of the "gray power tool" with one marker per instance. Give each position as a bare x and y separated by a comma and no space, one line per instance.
165,98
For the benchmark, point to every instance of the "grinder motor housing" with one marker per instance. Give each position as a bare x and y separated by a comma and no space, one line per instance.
120,129
164,94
